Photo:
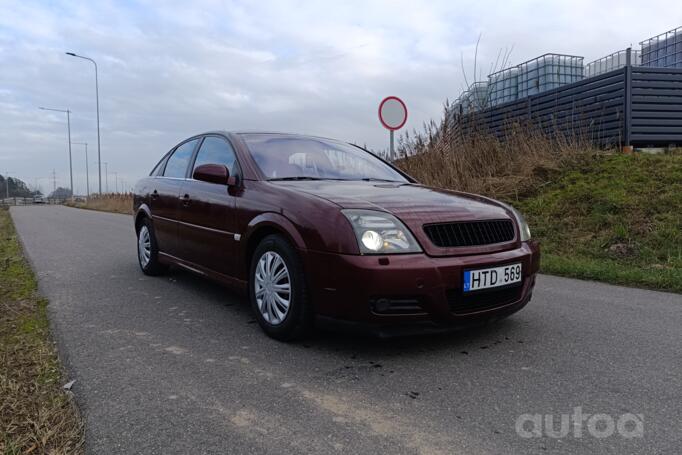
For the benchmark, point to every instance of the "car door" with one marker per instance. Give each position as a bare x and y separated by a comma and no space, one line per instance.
207,212
164,196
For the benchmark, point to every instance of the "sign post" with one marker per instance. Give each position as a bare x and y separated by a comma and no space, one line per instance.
392,115
391,140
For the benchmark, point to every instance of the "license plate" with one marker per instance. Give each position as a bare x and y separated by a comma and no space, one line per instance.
491,278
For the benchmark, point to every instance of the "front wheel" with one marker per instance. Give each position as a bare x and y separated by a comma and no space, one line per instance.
278,292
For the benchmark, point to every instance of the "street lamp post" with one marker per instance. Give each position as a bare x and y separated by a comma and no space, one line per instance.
106,174
68,127
116,180
87,167
99,152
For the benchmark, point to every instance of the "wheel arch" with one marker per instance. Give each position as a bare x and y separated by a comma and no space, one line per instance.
142,213
264,225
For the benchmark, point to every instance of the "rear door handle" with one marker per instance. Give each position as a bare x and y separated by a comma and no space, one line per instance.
186,200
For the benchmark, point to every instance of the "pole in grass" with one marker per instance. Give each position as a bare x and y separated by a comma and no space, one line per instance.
392,115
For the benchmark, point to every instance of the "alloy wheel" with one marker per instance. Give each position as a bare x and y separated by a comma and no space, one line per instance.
273,287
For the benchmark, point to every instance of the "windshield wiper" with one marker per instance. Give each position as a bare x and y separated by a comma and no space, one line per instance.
300,177
372,179
304,178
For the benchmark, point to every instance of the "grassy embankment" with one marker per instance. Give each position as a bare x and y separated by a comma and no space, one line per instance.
617,218
108,202
36,414
600,215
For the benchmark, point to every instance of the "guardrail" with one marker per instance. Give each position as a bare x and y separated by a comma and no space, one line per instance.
29,201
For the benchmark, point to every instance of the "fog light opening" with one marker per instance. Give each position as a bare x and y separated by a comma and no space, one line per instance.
396,306
382,305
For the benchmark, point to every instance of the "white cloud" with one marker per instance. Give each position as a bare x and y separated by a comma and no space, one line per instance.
171,69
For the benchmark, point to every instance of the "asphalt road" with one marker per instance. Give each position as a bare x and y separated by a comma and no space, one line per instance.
176,364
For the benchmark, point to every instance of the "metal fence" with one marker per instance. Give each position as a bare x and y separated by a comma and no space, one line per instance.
655,105
631,105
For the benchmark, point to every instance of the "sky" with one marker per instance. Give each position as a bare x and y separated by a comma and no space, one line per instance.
171,69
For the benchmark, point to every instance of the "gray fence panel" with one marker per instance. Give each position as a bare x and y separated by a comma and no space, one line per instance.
656,106
628,106
592,108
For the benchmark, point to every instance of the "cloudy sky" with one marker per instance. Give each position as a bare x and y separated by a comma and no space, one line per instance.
172,69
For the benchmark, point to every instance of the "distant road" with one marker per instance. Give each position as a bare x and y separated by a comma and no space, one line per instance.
176,364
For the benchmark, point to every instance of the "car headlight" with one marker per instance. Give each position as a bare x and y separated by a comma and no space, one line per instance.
381,233
524,229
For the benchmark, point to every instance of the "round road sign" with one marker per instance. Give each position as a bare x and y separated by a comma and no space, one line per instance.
392,113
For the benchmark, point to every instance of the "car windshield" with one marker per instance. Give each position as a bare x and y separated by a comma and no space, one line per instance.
306,158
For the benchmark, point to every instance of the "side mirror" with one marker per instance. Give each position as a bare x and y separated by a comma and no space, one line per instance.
212,173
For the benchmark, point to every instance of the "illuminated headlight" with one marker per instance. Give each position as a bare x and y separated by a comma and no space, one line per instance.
524,229
381,233
372,240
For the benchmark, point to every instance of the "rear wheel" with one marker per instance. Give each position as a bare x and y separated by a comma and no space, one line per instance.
278,292
148,250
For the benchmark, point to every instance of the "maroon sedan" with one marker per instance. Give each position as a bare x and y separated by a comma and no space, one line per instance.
320,230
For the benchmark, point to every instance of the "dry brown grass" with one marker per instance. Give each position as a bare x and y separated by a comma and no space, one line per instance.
481,163
109,202
36,414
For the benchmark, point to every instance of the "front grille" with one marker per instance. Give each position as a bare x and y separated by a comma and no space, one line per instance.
470,233
482,300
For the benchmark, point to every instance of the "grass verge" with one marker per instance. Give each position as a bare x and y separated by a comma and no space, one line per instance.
613,218
108,202
36,414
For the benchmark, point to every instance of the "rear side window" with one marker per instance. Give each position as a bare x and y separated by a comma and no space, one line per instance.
215,150
158,169
179,160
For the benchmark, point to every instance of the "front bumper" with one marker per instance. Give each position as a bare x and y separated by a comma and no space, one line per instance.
352,288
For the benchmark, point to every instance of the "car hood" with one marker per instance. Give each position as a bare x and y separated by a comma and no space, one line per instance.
403,199
414,204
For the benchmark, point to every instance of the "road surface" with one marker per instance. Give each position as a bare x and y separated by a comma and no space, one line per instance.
176,364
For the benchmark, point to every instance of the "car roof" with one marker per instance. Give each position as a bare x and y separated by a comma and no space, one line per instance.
274,133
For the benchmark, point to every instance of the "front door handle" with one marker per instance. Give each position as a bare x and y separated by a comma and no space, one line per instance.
185,200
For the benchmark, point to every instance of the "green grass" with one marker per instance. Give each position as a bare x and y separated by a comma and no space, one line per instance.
36,415
614,218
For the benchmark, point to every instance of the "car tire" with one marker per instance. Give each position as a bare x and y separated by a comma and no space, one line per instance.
267,290
148,250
